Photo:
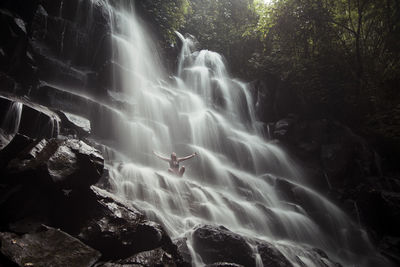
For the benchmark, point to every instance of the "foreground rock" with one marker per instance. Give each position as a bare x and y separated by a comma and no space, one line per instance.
70,164
156,257
49,182
271,256
218,244
74,124
48,247
111,225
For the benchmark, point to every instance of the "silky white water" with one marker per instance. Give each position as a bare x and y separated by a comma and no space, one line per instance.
10,123
235,178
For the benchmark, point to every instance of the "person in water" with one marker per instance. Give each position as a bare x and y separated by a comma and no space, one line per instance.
174,162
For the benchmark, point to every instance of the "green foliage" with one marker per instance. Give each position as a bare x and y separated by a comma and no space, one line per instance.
169,15
223,26
340,53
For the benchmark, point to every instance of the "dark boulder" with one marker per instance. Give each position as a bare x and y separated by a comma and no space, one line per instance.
152,258
156,257
218,244
72,124
47,247
183,250
67,163
271,256
110,225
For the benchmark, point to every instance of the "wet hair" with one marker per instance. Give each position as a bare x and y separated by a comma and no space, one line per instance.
173,155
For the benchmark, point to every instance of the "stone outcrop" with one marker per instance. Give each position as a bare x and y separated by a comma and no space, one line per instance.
218,244
67,164
47,247
49,183
33,120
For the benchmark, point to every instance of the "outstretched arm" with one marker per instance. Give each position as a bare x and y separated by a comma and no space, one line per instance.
160,157
188,157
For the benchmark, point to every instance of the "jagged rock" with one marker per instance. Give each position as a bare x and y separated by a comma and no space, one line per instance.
47,247
110,225
35,121
74,124
65,163
271,256
218,244
152,258
183,250
156,257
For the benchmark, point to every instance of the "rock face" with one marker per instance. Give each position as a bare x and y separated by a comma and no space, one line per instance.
343,165
49,182
47,247
272,257
116,229
69,164
156,257
74,124
218,244
62,42
33,120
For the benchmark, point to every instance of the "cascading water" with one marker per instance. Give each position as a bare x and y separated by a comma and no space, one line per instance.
10,123
234,180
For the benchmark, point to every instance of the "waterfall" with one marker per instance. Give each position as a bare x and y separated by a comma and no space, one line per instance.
10,123
236,180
